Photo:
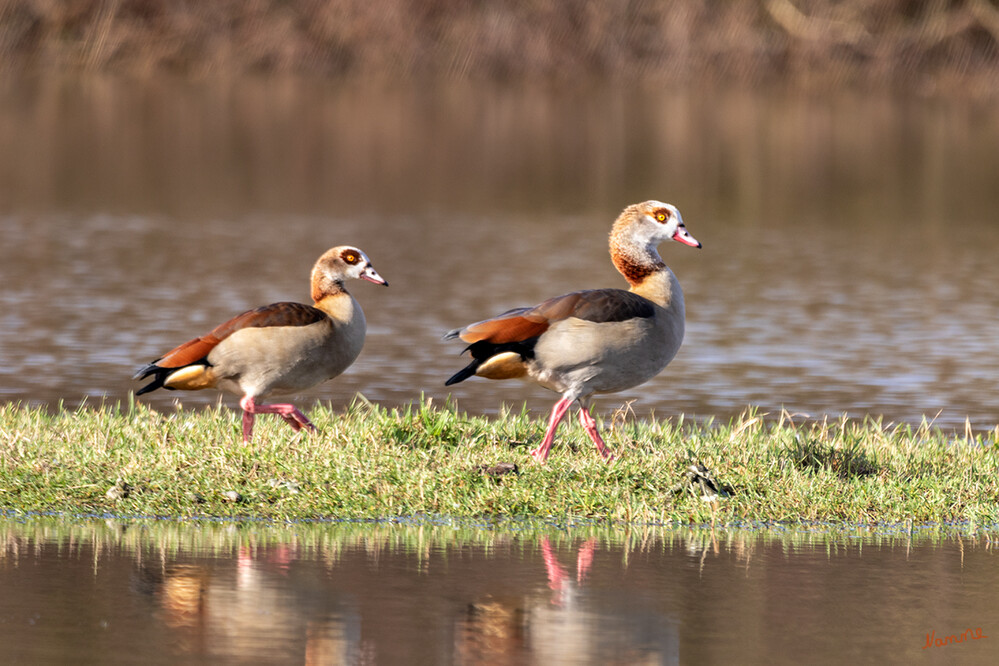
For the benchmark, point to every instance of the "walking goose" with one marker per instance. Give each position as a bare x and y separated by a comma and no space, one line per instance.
594,341
278,348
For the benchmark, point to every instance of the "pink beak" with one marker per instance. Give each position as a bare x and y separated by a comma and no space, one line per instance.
371,275
683,236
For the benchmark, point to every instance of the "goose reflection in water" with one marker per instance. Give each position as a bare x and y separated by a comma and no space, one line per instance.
243,614
558,625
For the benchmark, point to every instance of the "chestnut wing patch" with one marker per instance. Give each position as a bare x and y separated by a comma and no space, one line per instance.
196,351
276,314
511,326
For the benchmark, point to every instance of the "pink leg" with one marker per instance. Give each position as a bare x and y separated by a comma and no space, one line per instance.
557,575
290,419
591,429
247,426
584,560
288,412
558,413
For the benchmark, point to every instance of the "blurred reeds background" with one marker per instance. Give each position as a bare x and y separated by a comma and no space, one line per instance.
935,46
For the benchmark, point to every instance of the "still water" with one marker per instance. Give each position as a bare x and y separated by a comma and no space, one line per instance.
162,592
849,261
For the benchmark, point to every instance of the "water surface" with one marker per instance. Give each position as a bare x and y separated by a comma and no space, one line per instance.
849,243
161,592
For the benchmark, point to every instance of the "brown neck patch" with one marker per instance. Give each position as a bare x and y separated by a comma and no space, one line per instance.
325,289
632,260
635,271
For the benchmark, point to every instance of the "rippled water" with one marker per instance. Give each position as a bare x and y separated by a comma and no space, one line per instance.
849,244
161,592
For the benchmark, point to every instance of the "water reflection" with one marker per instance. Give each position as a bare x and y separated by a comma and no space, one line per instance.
452,593
249,611
850,243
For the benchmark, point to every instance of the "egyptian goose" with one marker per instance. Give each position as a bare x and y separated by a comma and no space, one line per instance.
278,348
594,341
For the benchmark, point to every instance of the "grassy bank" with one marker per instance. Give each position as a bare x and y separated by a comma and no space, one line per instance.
370,462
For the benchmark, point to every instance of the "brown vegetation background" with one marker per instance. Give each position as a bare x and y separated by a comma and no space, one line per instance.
927,45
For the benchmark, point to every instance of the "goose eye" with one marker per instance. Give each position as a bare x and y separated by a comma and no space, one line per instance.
350,258
661,217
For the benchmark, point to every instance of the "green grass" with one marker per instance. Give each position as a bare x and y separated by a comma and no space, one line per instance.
372,462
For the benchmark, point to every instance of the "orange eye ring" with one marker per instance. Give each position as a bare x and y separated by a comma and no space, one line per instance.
661,217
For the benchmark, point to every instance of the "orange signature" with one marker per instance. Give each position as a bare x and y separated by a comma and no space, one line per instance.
933,641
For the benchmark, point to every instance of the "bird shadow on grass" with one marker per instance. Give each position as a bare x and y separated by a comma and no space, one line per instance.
846,463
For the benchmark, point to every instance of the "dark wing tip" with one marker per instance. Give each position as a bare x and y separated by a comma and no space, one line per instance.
150,387
157,383
145,370
464,373
452,334
159,376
